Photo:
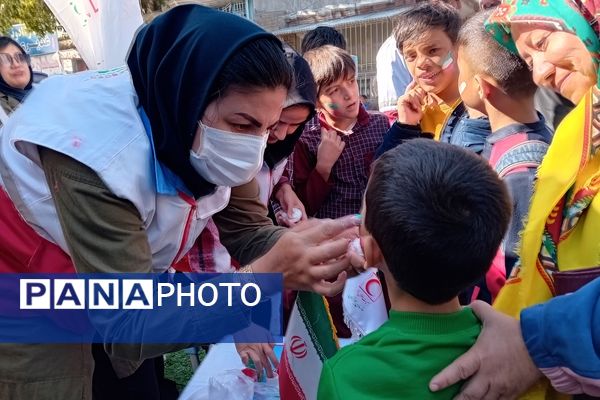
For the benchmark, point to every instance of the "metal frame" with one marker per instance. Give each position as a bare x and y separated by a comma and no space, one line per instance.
363,39
239,8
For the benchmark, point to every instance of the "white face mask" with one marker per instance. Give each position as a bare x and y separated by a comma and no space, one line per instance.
226,158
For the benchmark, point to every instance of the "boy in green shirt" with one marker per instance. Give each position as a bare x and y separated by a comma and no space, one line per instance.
434,216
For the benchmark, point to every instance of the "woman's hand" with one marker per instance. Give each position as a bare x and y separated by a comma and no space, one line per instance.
312,256
498,365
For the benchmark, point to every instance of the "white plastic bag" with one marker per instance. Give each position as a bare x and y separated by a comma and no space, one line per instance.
231,385
268,390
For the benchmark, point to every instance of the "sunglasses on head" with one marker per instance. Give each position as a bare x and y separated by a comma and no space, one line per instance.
19,58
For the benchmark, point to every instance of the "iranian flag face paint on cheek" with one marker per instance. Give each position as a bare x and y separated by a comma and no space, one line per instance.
335,110
447,62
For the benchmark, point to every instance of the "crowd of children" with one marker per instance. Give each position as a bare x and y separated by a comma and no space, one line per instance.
486,107
441,224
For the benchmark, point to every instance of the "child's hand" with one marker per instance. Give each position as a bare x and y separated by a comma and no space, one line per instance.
261,354
329,151
289,202
410,105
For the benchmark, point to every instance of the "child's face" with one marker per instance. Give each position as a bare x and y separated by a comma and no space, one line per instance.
468,87
431,61
340,99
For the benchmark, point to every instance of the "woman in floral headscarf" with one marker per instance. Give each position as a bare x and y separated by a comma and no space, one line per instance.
559,39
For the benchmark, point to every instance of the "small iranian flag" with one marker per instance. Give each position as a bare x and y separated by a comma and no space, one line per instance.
309,341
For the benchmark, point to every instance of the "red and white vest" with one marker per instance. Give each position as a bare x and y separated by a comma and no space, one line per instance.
93,118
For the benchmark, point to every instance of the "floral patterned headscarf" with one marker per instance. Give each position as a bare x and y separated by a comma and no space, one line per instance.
559,235
575,16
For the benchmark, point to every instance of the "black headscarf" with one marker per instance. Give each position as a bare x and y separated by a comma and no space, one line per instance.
303,91
174,61
5,88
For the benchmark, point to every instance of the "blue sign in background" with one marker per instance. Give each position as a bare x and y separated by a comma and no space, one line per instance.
33,44
179,316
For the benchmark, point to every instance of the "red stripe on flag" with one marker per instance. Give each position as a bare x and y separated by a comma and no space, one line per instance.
289,388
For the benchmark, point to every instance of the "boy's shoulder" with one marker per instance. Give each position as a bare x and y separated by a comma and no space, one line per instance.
405,328
424,342
312,130
375,123
312,124
367,344
518,146
376,114
377,117
538,130
466,132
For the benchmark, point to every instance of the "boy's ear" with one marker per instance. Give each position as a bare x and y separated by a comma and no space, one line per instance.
373,255
484,87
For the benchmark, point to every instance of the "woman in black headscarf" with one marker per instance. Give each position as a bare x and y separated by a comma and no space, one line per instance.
298,108
16,76
208,254
119,170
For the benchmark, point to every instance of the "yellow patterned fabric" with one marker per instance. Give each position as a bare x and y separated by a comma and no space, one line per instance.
568,171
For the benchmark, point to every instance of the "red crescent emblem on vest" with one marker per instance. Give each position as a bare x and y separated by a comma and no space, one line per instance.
298,347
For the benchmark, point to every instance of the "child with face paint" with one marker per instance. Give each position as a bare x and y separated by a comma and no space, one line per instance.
416,236
328,174
499,84
431,106
332,159
425,36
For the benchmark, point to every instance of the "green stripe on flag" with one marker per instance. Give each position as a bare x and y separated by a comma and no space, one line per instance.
315,316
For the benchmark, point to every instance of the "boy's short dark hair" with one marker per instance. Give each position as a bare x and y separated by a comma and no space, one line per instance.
415,21
486,55
328,64
438,214
321,36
